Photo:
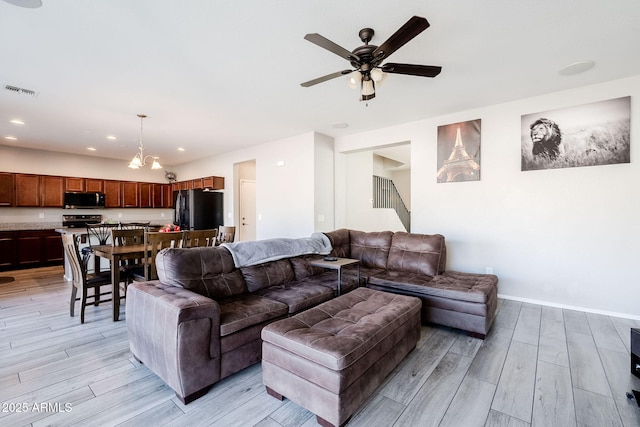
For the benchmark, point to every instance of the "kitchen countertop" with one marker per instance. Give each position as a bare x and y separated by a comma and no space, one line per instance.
21,226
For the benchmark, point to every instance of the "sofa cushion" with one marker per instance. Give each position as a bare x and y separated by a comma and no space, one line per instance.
340,243
417,253
303,269
271,273
298,296
208,271
453,285
371,248
237,313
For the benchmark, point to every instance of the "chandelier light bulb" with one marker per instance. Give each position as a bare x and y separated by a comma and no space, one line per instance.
376,74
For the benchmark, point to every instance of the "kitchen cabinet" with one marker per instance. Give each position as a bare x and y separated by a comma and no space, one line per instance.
38,247
94,185
7,189
130,194
157,195
112,194
52,188
27,190
75,184
8,250
167,197
146,195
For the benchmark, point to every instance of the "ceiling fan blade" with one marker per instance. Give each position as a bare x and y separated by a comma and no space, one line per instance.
331,47
411,69
325,78
409,30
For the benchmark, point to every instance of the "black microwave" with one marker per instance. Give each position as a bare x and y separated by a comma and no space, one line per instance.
89,200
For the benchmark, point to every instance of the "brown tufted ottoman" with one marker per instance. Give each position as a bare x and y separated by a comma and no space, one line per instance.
332,357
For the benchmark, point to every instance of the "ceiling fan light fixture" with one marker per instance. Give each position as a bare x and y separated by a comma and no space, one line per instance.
376,75
368,90
354,79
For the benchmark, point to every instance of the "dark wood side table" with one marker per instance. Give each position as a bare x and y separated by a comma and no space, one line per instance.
337,265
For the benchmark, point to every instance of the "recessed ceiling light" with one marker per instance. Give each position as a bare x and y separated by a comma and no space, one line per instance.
576,68
31,4
91,148
16,121
181,149
111,138
340,125
11,138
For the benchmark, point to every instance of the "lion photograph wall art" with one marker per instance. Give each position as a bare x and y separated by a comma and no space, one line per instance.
586,135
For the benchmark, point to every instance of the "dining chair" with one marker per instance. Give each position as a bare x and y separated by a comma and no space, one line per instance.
132,269
83,281
226,234
196,238
98,234
155,241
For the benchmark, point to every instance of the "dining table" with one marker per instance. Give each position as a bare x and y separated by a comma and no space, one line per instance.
117,254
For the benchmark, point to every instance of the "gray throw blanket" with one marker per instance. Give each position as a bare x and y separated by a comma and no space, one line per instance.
259,251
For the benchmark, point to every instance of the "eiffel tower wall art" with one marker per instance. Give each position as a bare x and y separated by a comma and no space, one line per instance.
459,152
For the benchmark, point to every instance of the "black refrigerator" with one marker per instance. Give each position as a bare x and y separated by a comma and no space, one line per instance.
198,209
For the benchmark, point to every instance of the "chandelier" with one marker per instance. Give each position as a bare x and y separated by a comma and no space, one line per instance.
140,159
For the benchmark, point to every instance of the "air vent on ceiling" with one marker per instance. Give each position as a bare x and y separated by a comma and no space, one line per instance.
21,91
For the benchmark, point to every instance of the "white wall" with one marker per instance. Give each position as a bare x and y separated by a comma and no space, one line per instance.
323,183
285,200
564,237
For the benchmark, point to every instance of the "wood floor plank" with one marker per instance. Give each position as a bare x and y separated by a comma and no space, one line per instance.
553,400
514,394
553,339
405,381
595,410
432,400
604,333
507,316
290,414
576,321
488,362
587,372
155,416
528,326
471,404
498,419
378,411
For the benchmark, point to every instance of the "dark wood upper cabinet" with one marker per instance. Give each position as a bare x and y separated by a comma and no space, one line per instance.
112,194
7,189
157,195
167,197
27,190
74,184
52,188
130,194
95,185
146,194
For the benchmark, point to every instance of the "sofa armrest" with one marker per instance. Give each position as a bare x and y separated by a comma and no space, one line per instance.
176,333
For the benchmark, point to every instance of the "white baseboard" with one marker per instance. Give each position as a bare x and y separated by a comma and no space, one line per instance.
571,307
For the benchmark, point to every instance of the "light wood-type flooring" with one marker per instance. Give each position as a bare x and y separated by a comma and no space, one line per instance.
539,366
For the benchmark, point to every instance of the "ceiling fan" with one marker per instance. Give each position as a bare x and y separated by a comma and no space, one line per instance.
367,59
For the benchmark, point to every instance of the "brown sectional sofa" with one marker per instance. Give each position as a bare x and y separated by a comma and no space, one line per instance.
202,320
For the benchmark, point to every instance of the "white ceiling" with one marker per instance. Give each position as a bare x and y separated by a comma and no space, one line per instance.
215,76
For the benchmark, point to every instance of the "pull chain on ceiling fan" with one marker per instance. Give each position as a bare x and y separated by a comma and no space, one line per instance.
367,59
